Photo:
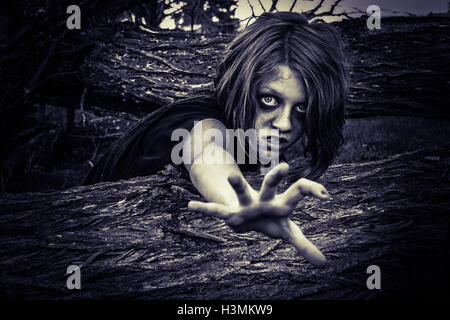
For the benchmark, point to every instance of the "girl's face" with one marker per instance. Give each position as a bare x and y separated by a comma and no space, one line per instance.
282,104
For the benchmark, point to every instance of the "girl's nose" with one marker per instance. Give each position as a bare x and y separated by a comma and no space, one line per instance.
282,119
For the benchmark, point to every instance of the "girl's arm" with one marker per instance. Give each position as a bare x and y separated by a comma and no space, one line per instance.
218,178
209,164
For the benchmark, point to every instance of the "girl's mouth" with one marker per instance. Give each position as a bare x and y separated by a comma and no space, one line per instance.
274,142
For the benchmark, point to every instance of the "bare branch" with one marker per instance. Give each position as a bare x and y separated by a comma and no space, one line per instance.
316,8
251,7
293,5
314,13
274,6
334,5
252,16
260,3
357,10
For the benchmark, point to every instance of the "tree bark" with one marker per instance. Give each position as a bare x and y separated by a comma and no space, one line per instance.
137,239
401,69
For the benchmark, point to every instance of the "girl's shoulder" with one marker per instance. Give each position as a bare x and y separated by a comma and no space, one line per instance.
204,106
146,147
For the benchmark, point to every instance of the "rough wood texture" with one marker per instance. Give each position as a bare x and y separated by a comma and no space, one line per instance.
136,239
402,69
157,67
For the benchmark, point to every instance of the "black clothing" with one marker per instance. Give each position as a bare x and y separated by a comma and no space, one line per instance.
147,147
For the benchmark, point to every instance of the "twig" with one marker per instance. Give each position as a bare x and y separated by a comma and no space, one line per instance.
274,6
197,234
293,5
317,7
82,100
260,3
167,63
251,17
38,74
334,5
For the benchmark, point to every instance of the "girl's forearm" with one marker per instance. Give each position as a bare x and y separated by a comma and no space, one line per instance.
209,174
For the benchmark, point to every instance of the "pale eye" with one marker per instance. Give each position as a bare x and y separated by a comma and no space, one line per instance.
269,101
301,108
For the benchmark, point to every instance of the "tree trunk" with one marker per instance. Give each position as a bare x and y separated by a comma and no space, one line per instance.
137,239
401,69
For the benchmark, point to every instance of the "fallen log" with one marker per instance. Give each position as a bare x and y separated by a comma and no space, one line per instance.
400,69
136,239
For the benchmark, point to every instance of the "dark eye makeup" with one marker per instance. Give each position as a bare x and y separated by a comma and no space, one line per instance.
301,108
269,101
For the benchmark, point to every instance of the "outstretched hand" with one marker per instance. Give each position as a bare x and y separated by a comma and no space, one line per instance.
268,212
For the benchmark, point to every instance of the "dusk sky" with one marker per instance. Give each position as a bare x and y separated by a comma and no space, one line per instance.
388,7
418,7
412,6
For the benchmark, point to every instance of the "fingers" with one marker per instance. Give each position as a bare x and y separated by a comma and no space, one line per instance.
212,209
304,187
305,247
272,180
241,189
235,220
